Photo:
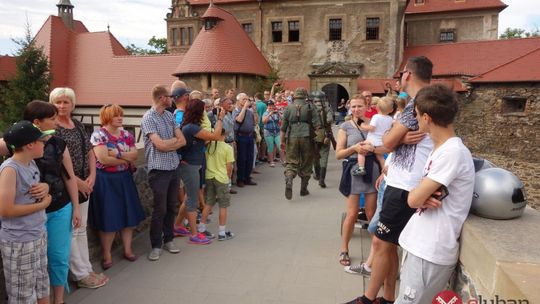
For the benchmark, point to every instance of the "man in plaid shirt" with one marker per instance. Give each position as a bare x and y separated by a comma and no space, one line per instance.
161,140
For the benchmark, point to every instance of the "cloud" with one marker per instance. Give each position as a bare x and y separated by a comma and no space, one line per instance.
133,21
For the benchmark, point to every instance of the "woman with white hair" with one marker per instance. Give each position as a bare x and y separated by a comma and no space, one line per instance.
84,167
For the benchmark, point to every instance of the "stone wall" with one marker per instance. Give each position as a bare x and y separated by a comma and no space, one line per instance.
380,57
467,26
493,126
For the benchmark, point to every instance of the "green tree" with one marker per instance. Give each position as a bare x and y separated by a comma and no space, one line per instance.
158,46
511,33
31,81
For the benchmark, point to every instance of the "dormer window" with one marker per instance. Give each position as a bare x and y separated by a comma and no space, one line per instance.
210,23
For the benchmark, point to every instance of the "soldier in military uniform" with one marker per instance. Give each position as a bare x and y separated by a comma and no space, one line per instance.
299,124
323,137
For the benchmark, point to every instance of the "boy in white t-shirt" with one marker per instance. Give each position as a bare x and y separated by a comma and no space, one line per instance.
443,199
380,123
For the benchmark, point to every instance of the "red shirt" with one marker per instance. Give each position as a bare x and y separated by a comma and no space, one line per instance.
369,113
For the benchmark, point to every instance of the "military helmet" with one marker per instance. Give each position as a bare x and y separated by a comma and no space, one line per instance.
300,93
318,95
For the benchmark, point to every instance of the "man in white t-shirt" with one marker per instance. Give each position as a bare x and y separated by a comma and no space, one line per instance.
411,149
431,235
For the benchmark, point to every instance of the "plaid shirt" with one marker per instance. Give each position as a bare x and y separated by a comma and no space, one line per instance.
162,125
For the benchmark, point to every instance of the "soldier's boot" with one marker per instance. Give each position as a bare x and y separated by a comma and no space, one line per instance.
317,172
322,177
303,186
288,187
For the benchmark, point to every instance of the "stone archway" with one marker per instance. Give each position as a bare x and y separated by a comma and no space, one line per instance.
335,92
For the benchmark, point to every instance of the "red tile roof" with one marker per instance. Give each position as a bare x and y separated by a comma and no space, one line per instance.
522,69
226,48
8,68
471,58
440,6
98,67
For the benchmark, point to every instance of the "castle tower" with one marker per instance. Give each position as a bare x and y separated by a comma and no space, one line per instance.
65,11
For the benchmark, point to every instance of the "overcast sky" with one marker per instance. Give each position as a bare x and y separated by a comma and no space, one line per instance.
136,21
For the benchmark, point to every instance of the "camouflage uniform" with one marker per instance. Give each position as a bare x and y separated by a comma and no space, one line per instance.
323,142
299,121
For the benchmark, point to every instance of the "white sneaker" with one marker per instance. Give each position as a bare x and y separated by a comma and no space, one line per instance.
358,269
171,247
154,254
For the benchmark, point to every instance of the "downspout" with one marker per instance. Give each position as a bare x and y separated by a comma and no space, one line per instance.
260,25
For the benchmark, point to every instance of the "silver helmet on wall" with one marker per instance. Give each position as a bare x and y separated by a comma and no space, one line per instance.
498,194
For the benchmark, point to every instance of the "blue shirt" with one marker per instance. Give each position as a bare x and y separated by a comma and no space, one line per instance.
193,151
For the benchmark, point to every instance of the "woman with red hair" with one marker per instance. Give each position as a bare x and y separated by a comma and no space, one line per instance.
114,204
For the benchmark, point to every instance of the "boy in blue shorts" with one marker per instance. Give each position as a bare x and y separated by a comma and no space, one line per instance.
23,200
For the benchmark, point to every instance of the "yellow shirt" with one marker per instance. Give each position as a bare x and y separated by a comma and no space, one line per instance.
205,123
218,155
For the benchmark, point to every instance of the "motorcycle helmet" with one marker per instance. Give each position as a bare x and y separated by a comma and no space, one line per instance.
498,194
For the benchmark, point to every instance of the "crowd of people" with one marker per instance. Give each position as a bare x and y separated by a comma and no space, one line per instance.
200,150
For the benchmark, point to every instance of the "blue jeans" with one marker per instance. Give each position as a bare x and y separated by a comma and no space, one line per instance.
164,185
373,223
244,162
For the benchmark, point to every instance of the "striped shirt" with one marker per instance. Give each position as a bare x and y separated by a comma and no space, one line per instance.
162,125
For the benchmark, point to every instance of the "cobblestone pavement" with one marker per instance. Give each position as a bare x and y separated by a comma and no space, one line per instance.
283,252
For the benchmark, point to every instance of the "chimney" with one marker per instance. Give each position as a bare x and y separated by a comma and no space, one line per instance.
65,11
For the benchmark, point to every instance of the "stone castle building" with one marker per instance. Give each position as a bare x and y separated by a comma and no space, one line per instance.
338,43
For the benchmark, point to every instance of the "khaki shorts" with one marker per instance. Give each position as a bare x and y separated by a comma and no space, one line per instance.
217,192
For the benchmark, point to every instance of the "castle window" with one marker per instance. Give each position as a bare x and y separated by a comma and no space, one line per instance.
174,34
277,31
210,23
335,26
248,28
294,31
190,35
419,1
513,104
186,36
447,35
183,36
372,28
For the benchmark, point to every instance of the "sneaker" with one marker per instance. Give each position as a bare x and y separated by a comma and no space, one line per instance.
180,231
209,234
228,235
154,254
359,171
171,247
92,282
199,239
358,269
272,164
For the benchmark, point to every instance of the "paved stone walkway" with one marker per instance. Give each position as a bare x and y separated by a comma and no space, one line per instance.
283,252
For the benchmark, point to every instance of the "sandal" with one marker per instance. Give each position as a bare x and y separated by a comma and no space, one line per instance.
344,258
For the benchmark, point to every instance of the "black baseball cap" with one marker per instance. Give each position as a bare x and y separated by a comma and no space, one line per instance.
23,133
179,92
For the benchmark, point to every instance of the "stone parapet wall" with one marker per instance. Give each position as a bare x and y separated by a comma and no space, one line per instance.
510,140
499,260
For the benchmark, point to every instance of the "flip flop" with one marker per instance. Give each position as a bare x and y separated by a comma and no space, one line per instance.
344,258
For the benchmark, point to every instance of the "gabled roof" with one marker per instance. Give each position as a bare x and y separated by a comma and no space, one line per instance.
442,6
522,69
8,68
99,68
226,48
471,58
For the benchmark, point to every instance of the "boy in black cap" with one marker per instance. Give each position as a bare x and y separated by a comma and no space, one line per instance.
22,237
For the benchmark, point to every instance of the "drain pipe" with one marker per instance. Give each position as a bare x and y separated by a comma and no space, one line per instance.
260,25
